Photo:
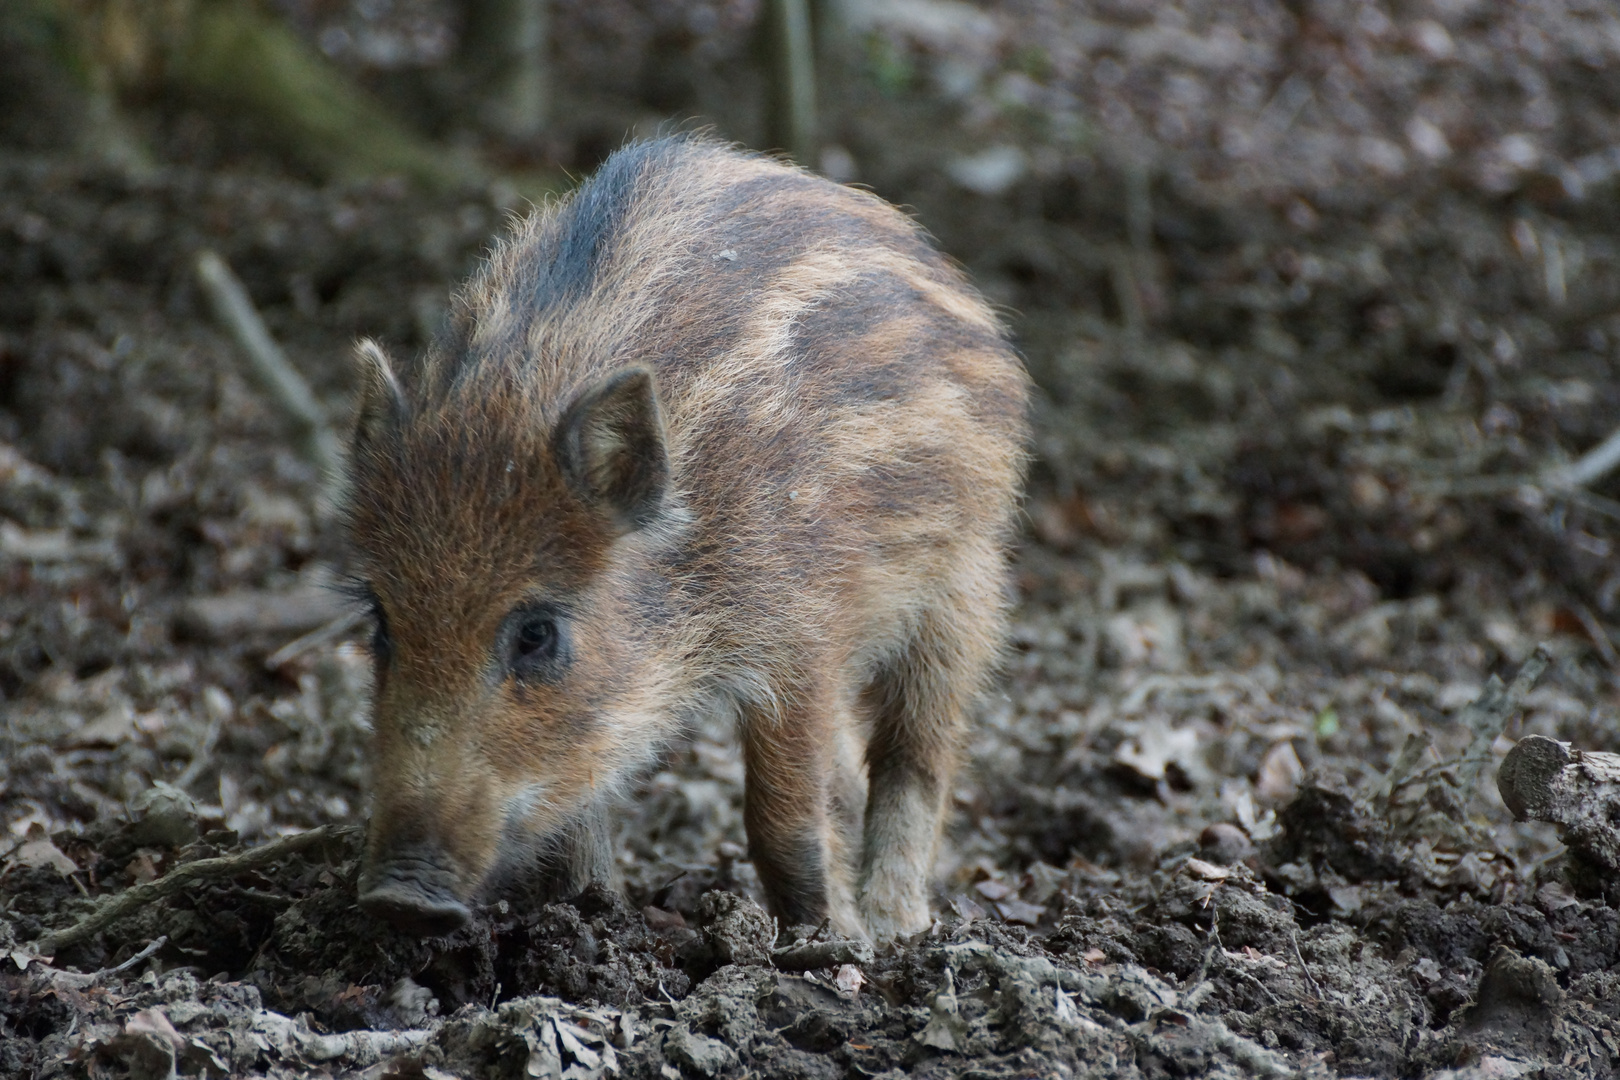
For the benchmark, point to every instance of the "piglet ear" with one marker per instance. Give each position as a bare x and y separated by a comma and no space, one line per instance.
382,402
610,445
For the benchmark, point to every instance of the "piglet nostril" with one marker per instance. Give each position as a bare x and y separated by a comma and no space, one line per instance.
415,909
412,888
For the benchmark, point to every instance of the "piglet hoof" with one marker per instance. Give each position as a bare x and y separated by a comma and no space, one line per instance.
888,922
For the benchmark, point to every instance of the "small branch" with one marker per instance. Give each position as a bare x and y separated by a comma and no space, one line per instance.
1593,465
316,637
1554,481
1547,780
178,880
1416,745
1316,990
271,369
204,755
1598,504
1600,637
809,955
230,615
1488,716
77,980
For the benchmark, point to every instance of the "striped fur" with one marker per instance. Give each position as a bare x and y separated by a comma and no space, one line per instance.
819,551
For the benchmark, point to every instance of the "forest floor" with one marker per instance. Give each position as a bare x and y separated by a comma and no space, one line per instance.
1309,351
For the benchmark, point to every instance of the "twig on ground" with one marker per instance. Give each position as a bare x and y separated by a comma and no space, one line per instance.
177,880
1416,745
203,758
1600,637
1230,968
1218,950
1437,809
1598,504
1315,989
78,980
270,367
316,637
1593,465
1577,790
809,955
230,615
204,755
1201,986
1566,481
1488,716
356,1047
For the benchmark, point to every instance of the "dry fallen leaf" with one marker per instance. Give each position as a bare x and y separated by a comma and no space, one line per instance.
155,1023
1347,899
993,890
1015,910
945,1030
1206,871
659,919
1155,746
37,851
1280,774
141,868
112,728
966,909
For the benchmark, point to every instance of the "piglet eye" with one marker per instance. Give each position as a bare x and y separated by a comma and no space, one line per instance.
536,643
536,639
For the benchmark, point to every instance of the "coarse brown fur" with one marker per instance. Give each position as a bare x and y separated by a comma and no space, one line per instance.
711,434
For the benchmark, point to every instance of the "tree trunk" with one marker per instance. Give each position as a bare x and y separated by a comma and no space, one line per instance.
791,53
505,52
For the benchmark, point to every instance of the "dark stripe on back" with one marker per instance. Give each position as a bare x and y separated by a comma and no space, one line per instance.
586,226
563,264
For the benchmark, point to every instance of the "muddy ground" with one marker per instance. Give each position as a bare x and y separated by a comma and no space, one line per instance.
1316,296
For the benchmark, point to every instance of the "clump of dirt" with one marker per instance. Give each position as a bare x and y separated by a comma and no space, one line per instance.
1197,968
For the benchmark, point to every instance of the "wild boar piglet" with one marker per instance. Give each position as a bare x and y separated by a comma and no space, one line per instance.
711,436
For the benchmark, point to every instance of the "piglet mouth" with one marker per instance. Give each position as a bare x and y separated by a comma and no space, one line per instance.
414,892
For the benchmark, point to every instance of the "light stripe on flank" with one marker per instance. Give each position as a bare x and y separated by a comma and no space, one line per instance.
955,300
763,349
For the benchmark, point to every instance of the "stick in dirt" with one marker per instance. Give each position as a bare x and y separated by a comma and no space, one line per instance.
809,955
271,369
1595,464
330,631
79,981
1488,715
177,880
1577,790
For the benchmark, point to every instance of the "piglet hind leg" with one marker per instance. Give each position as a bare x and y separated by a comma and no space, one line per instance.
792,809
919,704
